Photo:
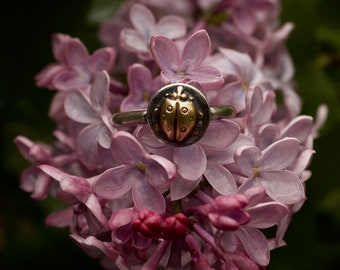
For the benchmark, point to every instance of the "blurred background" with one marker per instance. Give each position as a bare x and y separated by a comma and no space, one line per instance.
313,237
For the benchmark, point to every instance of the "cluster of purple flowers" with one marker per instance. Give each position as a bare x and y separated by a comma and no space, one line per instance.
135,202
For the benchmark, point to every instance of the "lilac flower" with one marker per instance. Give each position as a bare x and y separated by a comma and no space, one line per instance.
78,190
225,212
267,168
138,39
75,69
142,87
32,179
186,65
208,155
135,202
94,112
299,128
147,175
246,74
263,214
244,13
260,107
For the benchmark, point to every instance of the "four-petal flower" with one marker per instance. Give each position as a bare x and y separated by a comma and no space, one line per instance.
145,174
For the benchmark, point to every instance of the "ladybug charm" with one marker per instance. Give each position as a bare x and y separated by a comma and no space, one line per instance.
178,114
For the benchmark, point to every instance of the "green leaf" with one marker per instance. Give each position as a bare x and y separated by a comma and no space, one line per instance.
102,9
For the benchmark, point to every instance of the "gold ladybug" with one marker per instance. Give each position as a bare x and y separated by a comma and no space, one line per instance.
179,114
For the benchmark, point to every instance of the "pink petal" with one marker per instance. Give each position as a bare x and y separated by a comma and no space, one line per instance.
209,78
41,187
45,77
59,45
133,41
300,128
303,161
267,135
279,155
24,145
94,206
55,173
244,19
241,63
220,134
160,171
90,245
121,218
181,187
171,26
196,49
262,106
87,145
220,178
76,54
246,156
142,19
104,137
165,53
103,59
77,186
146,196
99,94
70,80
227,156
126,149
255,244
116,182
139,79
228,241
265,215
191,161
78,108
60,219
282,186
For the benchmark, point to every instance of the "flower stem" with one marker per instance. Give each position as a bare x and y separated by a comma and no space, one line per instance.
154,259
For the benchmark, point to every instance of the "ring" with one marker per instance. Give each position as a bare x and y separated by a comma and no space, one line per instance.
178,114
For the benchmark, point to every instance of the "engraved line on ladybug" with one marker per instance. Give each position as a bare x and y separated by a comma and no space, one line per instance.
177,115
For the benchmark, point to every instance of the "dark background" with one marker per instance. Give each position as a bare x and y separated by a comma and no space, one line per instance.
314,235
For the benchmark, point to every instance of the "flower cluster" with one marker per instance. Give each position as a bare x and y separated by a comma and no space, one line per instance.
134,202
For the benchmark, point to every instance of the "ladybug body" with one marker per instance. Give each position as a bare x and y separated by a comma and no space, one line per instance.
178,114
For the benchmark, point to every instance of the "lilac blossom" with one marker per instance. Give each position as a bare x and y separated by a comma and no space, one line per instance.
142,86
208,155
246,74
268,168
146,175
32,179
135,202
262,214
94,112
75,68
145,26
186,65
74,189
244,13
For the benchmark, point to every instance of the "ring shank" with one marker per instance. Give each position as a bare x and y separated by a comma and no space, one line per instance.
220,112
130,118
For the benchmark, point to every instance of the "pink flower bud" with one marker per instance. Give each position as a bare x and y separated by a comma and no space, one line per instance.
175,226
148,224
227,212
